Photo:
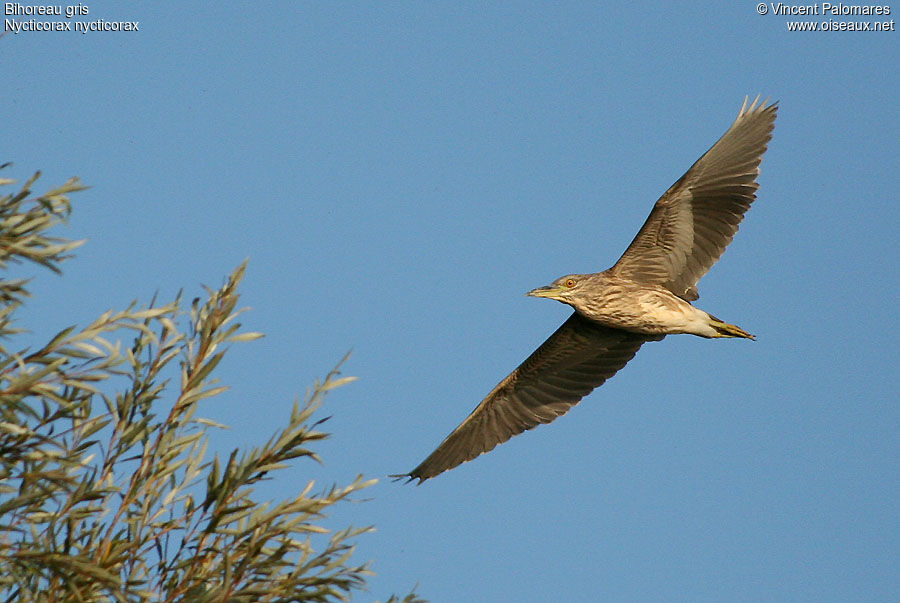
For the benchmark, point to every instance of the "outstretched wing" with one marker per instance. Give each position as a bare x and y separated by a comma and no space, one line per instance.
578,357
694,221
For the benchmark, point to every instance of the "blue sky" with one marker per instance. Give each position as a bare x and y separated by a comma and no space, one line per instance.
400,174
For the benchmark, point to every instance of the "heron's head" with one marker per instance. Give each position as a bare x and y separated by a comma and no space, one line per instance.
566,289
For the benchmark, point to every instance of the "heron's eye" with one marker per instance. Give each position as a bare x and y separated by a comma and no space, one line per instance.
570,282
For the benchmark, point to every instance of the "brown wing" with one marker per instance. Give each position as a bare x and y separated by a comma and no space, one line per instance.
694,221
578,357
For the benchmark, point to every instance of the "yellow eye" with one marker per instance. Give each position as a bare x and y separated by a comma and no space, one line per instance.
570,282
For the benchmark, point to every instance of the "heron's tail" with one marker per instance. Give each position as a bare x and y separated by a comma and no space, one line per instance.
723,329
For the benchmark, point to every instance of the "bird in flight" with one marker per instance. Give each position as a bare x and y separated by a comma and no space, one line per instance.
645,296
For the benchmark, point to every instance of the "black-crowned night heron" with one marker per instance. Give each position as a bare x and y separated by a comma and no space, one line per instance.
644,297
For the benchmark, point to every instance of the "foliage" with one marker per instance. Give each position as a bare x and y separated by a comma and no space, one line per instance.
106,488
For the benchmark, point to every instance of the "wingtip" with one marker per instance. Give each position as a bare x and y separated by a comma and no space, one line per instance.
757,106
396,477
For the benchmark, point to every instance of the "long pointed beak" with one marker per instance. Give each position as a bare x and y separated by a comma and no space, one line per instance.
549,292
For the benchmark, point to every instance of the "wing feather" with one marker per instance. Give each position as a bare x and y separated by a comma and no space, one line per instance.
695,220
577,358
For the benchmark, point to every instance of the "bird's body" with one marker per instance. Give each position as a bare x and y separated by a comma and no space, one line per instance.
645,296
622,303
